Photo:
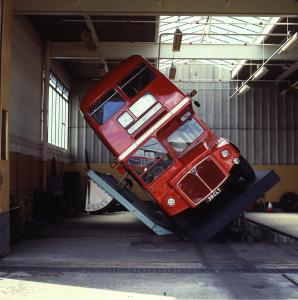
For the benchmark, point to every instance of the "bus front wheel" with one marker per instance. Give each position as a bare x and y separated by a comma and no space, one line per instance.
245,169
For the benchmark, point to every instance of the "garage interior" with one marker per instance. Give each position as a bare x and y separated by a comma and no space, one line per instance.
239,59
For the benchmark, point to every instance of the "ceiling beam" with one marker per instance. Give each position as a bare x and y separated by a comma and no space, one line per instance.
287,72
156,7
95,39
151,50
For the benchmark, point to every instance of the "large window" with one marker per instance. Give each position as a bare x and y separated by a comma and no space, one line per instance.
107,107
150,160
58,118
137,80
185,135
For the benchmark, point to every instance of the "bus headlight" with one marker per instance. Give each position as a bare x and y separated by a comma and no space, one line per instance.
171,202
236,160
225,153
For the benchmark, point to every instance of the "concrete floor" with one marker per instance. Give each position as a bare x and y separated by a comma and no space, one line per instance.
116,257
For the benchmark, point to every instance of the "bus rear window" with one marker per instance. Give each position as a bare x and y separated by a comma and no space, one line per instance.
185,135
137,80
106,107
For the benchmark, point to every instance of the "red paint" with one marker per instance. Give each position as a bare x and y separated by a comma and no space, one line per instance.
189,176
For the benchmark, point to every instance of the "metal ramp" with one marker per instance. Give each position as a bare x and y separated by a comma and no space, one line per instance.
229,206
200,224
156,221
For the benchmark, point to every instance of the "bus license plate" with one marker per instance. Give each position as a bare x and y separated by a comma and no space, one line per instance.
213,195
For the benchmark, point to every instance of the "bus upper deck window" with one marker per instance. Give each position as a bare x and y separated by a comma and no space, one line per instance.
137,80
106,107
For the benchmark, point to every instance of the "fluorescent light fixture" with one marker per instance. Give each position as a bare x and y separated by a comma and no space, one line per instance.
177,40
260,73
289,44
244,89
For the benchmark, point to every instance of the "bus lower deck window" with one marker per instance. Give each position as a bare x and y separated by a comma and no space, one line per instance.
150,160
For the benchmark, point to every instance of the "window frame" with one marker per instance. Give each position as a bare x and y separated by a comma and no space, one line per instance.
167,152
58,101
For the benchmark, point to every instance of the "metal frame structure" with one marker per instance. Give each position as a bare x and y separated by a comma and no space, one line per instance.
144,213
158,7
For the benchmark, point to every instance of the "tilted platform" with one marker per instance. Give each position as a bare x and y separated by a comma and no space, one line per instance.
230,205
285,224
156,221
202,223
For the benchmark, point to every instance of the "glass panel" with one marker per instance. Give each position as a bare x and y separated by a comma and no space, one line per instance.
145,102
145,118
50,116
137,80
53,80
125,119
157,169
58,113
185,135
60,87
108,106
150,160
55,96
146,155
65,93
66,125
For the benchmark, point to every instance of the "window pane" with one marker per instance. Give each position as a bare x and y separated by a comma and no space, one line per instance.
66,124
157,169
125,119
108,106
50,115
182,137
58,113
139,107
145,118
137,80
53,80
150,160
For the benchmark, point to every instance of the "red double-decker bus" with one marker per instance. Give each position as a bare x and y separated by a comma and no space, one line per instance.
151,128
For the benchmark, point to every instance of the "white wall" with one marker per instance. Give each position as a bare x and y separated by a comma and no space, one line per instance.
26,88
26,83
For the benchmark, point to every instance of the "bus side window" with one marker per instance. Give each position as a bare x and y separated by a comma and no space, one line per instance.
137,80
106,107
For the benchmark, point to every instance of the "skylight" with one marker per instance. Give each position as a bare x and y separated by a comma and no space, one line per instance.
215,30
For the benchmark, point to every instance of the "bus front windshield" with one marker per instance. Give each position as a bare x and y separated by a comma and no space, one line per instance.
185,135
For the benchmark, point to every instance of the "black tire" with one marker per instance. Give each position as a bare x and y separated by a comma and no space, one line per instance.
289,202
245,169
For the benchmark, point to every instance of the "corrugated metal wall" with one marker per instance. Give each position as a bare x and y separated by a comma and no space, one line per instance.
262,123
82,136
